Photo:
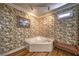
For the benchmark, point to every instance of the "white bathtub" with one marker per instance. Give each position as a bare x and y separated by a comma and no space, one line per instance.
39,44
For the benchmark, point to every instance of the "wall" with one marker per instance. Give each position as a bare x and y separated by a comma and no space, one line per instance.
12,37
67,28
47,25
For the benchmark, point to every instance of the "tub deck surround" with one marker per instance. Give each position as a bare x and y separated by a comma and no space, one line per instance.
39,44
39,39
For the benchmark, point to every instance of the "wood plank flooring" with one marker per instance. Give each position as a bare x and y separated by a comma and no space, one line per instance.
55,52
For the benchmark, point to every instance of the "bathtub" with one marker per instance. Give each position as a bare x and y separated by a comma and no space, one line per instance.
39,44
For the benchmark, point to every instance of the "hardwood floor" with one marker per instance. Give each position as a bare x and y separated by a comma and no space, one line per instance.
55,52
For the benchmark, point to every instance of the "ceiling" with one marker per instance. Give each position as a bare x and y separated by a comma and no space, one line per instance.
39,8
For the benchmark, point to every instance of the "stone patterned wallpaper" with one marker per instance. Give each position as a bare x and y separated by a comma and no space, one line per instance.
12,37
47,26
66,30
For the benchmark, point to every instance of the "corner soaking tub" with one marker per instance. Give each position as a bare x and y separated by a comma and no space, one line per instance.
39,44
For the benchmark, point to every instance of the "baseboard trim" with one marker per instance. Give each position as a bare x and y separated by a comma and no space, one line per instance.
12,51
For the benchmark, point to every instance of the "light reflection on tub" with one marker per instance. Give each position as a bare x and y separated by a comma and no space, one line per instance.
39,40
